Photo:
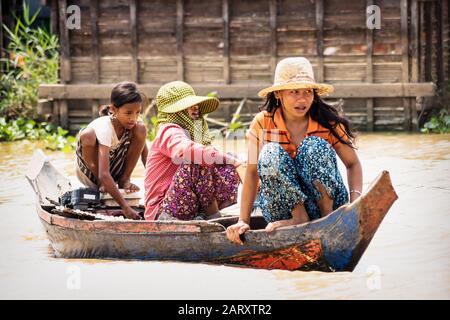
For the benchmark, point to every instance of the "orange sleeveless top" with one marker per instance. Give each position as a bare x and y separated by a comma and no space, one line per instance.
270,127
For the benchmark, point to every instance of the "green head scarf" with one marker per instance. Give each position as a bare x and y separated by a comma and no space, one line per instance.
174,98
198,129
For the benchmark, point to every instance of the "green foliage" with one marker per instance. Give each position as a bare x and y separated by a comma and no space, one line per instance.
235,125
151,126
33,59
55,138
438,123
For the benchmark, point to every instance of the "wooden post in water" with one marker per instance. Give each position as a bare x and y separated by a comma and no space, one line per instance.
65,71
448,46
273,35
134,41
319,34
95,56
54,17
369,73
414,60
1,39
405,61
226,41
438,13
55,111
428,40
64,43
179,36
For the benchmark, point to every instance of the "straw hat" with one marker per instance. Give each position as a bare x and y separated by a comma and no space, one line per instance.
295,73
178,95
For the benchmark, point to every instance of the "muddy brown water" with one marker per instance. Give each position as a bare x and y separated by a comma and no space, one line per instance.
409,257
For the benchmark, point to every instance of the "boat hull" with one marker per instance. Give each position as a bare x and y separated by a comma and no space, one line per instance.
333,243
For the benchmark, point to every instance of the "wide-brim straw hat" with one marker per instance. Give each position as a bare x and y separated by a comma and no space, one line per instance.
295,73
178,95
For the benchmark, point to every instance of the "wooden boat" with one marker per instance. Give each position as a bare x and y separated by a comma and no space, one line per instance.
333,243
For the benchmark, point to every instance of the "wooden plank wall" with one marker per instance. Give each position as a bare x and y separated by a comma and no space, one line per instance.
240,41
203,41
434,48
2,49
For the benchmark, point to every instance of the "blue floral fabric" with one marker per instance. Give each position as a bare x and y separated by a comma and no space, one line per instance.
285,181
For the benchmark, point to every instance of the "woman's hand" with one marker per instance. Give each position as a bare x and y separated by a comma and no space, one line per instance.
234,232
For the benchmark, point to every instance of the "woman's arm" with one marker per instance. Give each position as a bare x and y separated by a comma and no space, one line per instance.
249,190
108,184
354,170
248,196
181,149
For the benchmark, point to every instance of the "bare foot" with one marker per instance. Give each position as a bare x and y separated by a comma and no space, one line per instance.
212,208
271,226
129,187
325,202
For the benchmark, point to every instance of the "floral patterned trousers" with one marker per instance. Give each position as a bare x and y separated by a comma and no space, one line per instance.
287,181
195,186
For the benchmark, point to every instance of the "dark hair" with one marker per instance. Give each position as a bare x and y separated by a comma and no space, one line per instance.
122,93
326,115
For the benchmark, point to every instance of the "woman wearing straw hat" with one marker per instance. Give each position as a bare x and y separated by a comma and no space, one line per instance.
184,175
292,153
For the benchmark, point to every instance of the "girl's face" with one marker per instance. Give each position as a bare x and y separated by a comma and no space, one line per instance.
296,102
127,114
193,112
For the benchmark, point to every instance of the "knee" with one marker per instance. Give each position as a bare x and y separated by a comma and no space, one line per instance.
88,137
140,131
190,168
315,148
273,158
271,154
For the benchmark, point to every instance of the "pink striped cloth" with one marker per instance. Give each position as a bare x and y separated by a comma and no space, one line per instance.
172,147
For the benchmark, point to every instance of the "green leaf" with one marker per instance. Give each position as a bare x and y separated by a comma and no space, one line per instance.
430,125
26,13
61,131
67,148
33,18
447,121
212,94
235,126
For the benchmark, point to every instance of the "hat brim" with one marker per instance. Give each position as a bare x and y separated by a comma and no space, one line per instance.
321,88
205,104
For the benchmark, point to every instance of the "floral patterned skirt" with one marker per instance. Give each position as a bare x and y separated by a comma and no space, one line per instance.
287,181
194,187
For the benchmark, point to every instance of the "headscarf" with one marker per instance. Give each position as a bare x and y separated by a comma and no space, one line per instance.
198,129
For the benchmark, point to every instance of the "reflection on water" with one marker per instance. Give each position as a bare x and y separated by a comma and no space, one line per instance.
408,257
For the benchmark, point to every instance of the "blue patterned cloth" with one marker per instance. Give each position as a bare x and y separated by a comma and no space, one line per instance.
286,181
